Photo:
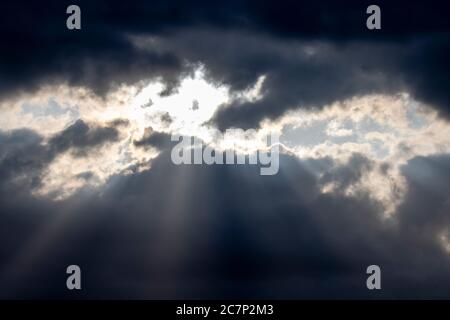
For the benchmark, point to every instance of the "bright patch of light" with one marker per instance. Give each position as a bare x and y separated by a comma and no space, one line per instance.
194,103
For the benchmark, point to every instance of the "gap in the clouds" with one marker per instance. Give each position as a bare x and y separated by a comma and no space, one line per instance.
388,130
51,111
190,106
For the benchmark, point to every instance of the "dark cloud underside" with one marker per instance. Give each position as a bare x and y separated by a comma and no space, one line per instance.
24,154
155,235
409,53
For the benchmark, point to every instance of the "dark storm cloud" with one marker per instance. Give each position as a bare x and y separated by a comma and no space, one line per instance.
426,209
408,53
226,231
81,137
38,49
24,154
222,231
153,138
427,69
345,176
310,73
22,157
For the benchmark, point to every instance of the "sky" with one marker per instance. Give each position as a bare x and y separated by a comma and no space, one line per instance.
87,179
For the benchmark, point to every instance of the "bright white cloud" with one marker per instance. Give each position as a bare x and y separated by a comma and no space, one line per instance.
388,130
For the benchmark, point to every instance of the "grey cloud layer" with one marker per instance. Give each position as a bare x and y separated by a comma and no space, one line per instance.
311,73
24,154
80,137
265,237
153,138
409,53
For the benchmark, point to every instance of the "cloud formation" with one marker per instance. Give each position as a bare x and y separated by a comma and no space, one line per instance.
279,234
294,44
85,170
